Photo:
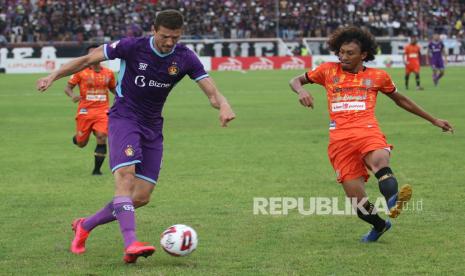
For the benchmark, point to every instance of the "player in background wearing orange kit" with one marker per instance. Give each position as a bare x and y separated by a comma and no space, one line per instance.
355,139
411,58
94,83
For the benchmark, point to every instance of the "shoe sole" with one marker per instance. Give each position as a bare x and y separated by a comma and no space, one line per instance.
405,194
144,253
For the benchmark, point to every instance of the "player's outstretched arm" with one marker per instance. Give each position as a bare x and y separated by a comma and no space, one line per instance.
412,107
296,84
71,67
217,100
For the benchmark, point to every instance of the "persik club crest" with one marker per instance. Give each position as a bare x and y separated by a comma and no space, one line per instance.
129,151
173,70
367,82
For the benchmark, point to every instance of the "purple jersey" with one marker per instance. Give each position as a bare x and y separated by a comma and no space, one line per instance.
145,79
436,48
147,76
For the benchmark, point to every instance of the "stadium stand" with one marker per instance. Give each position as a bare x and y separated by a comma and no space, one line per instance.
83,20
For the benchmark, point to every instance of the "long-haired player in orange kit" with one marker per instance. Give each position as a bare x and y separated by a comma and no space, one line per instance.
94,83
411,58
356,143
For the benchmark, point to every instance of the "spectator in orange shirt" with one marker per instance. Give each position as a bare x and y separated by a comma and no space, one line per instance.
94,83
412,54
355,140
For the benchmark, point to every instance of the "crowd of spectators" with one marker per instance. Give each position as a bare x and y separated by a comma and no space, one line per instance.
83,20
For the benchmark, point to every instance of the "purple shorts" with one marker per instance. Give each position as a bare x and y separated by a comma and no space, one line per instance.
437,64
131,143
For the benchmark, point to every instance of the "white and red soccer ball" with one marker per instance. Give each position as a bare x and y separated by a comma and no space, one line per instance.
179,240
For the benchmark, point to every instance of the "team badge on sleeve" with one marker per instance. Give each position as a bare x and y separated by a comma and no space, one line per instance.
173,70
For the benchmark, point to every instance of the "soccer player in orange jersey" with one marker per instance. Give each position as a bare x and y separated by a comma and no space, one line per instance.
94,83
356,142
411,58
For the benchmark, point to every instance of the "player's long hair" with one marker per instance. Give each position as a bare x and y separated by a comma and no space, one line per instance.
363,38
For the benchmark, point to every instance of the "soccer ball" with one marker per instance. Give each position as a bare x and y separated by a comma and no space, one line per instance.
179,240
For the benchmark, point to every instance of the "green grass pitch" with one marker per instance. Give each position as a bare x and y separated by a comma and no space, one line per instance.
210,175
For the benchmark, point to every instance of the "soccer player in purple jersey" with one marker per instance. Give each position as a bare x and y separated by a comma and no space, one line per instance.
438,58
150,68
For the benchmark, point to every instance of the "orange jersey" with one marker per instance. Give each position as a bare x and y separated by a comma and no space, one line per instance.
351,97
93,87
412,53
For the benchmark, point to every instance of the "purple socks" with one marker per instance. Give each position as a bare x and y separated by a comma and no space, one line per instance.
121,209
104,215
124,212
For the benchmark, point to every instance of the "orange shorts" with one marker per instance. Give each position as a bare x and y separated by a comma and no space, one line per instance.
347,155
86,123
412,68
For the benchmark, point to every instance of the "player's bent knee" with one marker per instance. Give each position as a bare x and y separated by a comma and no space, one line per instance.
124,178
377,160
101,138
355,189
139,201
82,144
357,197
376,166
